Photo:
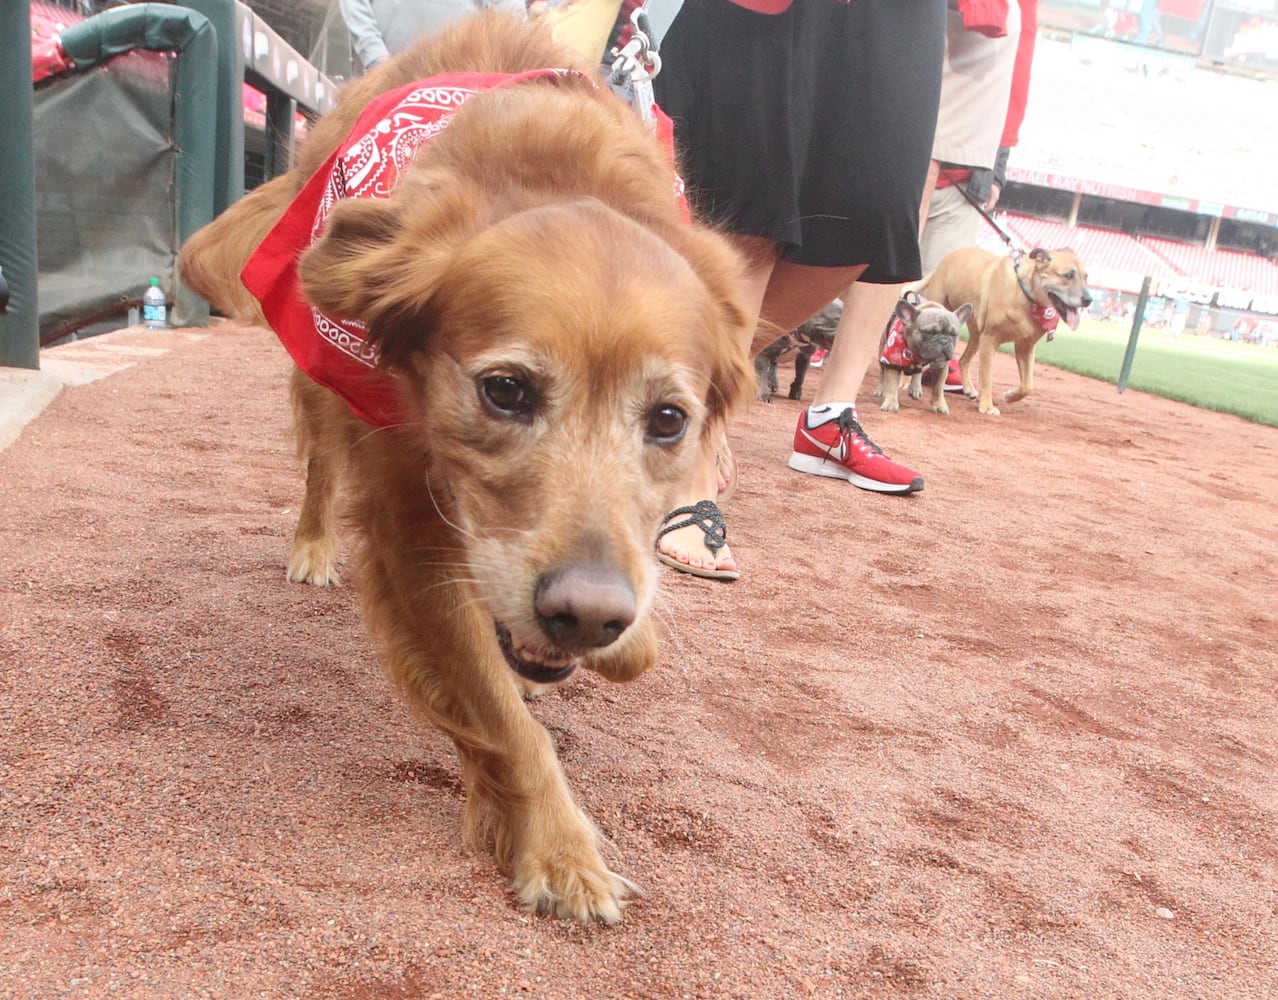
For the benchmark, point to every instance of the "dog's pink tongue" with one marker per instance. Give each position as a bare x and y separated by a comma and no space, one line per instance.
1071,318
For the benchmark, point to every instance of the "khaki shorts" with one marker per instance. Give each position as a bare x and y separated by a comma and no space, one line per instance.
951,223
976,83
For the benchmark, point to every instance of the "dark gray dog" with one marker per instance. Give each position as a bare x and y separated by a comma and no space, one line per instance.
816,333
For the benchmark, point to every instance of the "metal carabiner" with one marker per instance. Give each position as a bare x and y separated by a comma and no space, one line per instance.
634,65
638,61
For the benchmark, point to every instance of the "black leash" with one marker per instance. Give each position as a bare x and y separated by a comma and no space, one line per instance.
1017,252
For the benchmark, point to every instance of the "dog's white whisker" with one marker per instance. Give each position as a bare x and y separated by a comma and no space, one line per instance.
372,431
671,633
430,491
823,215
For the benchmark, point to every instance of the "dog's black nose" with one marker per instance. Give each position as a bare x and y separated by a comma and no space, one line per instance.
584,605
1087,300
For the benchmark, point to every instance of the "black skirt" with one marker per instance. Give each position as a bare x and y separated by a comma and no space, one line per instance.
812,128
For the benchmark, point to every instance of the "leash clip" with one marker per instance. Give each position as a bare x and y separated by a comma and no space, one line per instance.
635,65
638,61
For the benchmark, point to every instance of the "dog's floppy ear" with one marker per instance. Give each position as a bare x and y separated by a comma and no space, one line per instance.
344,272
1039,254
380,261
963,313
732,376
907,308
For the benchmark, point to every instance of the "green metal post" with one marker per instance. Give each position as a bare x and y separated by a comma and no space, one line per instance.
20,323
164,28
1137,320
280,111
227,121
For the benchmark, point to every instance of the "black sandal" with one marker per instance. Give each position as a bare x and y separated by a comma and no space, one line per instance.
706,515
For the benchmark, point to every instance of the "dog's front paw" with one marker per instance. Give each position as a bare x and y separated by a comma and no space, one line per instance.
567,877
941,407
531,690
989,410
890,404
313,563
1014,395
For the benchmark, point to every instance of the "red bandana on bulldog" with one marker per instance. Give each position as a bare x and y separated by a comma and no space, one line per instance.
896,352
369,163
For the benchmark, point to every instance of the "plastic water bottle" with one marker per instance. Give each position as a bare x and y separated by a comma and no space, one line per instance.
154,307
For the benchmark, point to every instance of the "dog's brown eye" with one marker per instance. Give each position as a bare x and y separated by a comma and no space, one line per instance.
666,424
507,397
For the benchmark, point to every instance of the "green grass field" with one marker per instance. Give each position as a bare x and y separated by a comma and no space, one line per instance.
1214,374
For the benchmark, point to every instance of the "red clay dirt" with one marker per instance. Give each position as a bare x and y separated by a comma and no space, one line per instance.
1011,737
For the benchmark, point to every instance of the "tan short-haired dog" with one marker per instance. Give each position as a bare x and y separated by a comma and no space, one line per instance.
1015,300
557,339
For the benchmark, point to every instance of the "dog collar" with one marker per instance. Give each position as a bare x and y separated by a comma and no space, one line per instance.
370,162
1045,315
896,351
1016,270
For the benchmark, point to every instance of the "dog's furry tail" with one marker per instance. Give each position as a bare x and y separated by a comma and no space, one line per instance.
211,260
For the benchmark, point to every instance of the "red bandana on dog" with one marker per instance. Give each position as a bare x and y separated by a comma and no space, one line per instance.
368,164
1047,317
896,352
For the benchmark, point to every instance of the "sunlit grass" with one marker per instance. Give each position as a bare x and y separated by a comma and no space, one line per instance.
1213,374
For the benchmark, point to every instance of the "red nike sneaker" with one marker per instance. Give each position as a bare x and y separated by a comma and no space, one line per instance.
839,448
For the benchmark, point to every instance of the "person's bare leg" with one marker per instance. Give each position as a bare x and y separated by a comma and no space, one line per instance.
782,295
865,309
795,293
829,440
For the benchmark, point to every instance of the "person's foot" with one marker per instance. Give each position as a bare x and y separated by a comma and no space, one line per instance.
693,539
829,441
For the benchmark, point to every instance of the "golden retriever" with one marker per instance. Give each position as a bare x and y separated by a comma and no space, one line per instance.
560,339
